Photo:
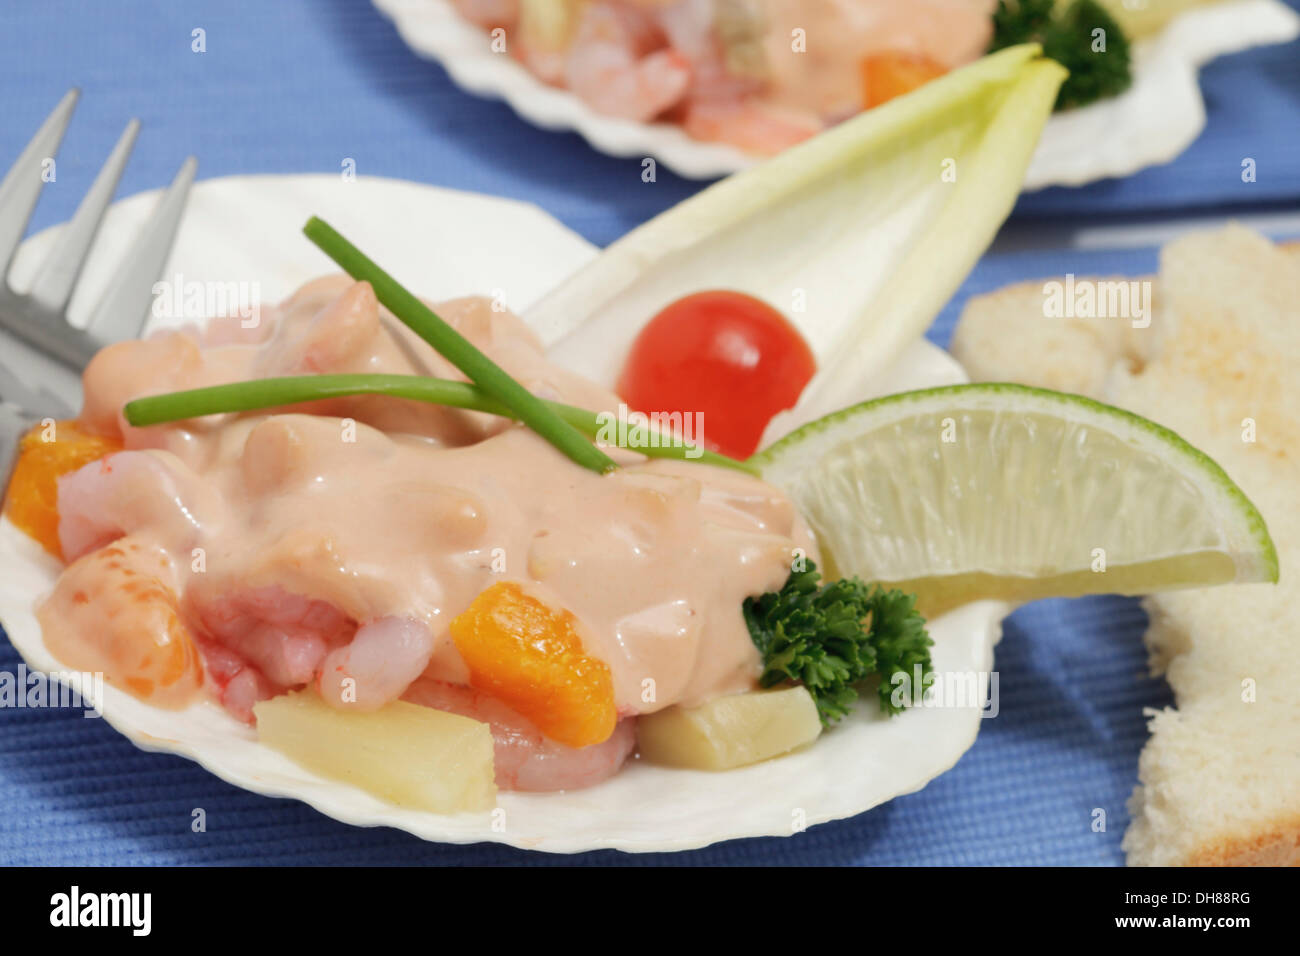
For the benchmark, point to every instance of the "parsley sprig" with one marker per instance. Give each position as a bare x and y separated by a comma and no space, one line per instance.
1069,38
833,637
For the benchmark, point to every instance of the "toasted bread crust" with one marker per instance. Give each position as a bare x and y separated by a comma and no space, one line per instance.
1275,845
1223,339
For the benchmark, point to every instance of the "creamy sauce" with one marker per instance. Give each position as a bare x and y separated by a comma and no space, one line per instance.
278,535
826,78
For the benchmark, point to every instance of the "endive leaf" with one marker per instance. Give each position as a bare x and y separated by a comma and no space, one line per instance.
859,235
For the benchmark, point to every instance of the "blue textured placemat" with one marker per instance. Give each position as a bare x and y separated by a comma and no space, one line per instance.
300,85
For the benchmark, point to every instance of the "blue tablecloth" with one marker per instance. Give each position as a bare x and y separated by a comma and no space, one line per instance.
296,86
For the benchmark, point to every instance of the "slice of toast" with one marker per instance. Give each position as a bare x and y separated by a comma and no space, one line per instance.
1220,364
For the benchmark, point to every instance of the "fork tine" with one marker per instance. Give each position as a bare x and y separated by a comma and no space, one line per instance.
22,184
58,274
14,390
124,306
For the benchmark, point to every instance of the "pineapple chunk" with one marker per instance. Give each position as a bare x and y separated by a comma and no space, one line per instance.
406,754
730,731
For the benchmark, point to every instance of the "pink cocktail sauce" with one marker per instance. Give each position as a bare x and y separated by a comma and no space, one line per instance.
279,534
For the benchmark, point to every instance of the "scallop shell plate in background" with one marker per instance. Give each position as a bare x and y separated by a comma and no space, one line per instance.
1151,123
443,244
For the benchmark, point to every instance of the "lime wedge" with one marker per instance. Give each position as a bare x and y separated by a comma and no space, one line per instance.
1015,493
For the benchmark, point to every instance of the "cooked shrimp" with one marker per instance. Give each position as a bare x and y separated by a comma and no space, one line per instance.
689,29
114,611
750,123
688,25
526,760
129,491
489,13
618,64
262,641
378,665
285,636
168,361
726,104
546,65
237,683
332,339
233,330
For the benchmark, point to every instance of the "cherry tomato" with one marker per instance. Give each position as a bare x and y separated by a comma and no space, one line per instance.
727,355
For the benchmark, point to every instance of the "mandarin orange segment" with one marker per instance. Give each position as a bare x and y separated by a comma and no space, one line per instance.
530,657
888,75
45,453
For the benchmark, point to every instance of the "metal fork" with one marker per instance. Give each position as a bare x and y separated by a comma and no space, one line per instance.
41,352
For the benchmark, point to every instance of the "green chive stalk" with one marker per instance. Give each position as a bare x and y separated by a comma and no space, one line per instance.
496,383
274,392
